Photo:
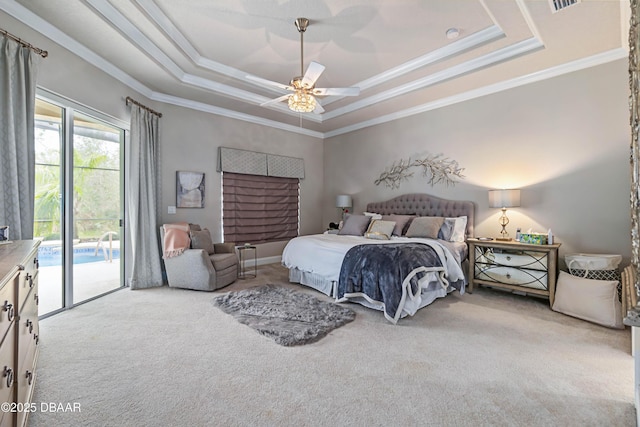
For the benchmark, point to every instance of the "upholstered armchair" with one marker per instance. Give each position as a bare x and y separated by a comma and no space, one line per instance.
204,266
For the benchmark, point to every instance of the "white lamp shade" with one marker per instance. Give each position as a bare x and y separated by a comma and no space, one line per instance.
504,198
343,201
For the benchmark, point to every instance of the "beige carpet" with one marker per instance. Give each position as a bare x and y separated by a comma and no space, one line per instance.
167,357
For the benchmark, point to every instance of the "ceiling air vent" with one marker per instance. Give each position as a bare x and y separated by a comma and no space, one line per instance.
558,5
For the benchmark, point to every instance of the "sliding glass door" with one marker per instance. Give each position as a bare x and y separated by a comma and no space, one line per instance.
78,205
96,204
48,225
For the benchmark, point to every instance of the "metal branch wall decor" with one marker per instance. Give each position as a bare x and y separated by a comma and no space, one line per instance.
436,168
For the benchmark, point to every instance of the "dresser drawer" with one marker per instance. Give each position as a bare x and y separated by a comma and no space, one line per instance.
512,276
28,277
7,373
8,309
28,328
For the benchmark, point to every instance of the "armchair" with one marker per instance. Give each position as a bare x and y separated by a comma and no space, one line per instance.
199,270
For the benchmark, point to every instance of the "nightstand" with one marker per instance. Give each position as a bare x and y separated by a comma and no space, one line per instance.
532,269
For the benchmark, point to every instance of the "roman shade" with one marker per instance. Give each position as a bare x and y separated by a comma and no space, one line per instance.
258,209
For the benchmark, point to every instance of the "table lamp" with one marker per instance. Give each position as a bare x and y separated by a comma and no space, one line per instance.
344,202
504,199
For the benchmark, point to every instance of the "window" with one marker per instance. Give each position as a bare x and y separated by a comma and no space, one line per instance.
259,209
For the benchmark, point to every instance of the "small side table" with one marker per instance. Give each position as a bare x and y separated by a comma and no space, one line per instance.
243,256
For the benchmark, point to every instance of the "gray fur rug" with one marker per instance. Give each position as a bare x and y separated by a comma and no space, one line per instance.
287,316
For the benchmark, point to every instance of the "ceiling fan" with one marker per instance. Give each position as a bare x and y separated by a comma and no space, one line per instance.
303,99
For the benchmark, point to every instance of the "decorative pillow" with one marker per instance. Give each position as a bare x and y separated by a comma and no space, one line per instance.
202,240
587,299
380,230
425,226
194,227
459,229
373,215
453,229
446,231
354,225
402,223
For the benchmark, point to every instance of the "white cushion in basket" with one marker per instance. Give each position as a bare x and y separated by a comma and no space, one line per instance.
587,299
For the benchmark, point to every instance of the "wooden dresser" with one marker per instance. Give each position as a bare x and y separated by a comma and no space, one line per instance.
19,335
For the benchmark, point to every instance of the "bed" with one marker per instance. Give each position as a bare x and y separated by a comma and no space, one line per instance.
398,275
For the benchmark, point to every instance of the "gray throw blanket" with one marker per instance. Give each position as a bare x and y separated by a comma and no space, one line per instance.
378,273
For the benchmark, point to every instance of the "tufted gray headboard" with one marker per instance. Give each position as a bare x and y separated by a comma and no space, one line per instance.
426,205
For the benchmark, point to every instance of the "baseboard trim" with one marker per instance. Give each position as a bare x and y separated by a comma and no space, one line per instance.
269,260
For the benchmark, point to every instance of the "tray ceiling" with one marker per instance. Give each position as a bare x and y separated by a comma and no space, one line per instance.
198,53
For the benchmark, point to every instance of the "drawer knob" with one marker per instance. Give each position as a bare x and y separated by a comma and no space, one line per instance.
29,325
8,372
8,307
508,275
29,377
30,279
508,258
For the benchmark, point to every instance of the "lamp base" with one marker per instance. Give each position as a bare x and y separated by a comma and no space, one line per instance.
504,239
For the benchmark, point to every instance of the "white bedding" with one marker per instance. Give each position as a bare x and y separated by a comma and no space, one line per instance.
320,256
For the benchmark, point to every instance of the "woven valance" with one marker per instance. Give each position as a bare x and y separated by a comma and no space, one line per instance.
256,163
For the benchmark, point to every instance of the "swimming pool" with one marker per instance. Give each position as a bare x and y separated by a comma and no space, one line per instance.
52,256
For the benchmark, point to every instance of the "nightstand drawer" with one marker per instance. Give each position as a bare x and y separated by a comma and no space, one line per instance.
512,276
522,259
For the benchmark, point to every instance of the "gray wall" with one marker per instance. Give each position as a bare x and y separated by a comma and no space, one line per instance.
190,141
564,142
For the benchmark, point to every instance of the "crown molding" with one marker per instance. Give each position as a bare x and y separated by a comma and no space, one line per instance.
208,108
126,27
33,21
492,58
569,67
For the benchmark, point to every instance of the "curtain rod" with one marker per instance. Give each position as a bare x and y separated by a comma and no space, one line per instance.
39,51
133,101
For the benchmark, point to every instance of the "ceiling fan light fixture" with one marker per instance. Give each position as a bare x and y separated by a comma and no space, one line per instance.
302,102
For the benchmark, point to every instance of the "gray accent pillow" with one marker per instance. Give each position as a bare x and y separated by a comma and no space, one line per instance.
425,226
202,240
354,225
402,223
194,227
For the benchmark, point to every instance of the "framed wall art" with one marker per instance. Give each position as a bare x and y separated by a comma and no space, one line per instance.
189,189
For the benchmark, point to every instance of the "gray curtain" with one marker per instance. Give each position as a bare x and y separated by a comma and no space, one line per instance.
143,199
18,71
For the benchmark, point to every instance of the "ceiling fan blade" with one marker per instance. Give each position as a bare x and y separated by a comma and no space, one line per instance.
268,82
341,91
311,75
318,109
275,101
